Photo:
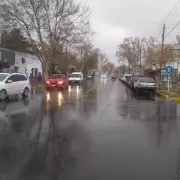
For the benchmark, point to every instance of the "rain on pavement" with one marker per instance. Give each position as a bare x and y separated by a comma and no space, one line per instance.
98,131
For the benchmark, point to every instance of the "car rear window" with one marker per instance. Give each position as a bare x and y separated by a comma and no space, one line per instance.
55,76
3,77
75,75
146,80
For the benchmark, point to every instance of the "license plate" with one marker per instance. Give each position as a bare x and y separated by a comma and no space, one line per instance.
53,85
73,81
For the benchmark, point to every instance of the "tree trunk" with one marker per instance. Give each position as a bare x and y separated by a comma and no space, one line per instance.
45,74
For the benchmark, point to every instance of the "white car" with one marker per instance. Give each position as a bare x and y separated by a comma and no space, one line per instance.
12,84
103,75
76,77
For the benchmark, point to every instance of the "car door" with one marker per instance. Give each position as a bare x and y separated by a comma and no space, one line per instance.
13,85
22,83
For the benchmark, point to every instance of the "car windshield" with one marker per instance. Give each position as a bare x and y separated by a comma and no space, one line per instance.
2,77
75,75
146,80
55,76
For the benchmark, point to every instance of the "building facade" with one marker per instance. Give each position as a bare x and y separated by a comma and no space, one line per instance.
21,62
28,64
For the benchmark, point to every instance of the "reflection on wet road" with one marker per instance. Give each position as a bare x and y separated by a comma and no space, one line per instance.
105,133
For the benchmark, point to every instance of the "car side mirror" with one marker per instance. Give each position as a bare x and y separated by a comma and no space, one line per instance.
9,81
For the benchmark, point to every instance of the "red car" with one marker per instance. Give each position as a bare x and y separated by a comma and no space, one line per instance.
59,81
113,77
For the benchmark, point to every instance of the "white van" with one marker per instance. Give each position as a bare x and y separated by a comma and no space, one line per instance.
76,78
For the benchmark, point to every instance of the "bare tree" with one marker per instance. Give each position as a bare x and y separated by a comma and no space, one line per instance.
47,24
102,60
109,66
129,50
152,53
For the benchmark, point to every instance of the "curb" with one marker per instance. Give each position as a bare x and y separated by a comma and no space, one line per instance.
177,100
162,95
38,86
166,97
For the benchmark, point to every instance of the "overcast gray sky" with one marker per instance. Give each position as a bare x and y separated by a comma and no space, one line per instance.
115,19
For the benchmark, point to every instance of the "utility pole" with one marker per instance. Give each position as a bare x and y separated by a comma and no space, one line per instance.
162,49
66,60
140,57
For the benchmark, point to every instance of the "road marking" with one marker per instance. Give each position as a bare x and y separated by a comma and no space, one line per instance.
89,89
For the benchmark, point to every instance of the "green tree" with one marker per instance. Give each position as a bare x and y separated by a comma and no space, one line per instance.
15,40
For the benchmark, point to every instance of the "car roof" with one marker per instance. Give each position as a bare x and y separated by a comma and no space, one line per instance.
5,73
77,73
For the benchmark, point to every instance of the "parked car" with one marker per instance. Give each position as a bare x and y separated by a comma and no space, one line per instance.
13,84
76,78
59,81
145,84
113,77
126,78
89,77
133,79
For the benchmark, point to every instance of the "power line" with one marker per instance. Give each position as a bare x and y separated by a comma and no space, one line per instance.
172,29
170,15
175,6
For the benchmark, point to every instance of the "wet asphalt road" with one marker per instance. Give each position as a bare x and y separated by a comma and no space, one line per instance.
99,131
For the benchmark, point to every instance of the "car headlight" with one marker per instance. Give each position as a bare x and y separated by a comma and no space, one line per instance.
47,82
60,82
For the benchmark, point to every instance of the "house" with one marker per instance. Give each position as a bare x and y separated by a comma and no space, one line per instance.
28,64
21,62
172,59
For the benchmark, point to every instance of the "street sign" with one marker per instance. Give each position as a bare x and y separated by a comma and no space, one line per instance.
169,69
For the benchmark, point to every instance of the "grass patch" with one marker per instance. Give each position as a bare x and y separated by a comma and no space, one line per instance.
171,92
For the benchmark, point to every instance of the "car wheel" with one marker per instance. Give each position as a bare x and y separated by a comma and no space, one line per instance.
3,94
25,92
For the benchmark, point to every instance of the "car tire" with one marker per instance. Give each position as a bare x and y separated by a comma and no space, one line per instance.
3,94
25,92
